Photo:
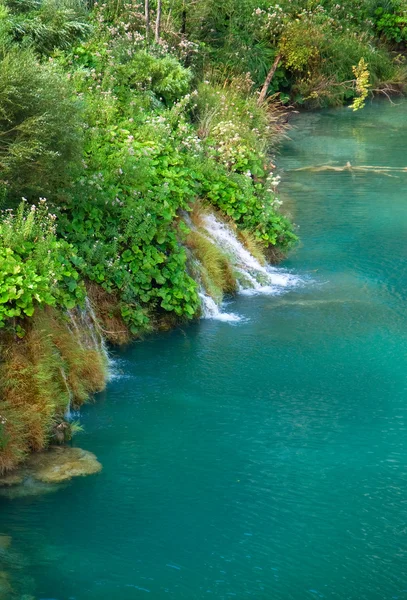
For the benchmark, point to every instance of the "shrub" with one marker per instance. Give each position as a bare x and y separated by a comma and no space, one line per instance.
40,139
391,22
35,267
45,26
238,133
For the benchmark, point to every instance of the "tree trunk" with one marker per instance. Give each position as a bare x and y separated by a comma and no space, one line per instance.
147,15
158,22
184,22
269,77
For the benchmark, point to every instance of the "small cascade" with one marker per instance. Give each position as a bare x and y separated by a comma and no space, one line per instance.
85,328
253,278
92,327
88,331
210,310
74,328
68,416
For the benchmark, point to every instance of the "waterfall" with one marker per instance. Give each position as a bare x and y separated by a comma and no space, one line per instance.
85,328
210,310
68,412
253,278
88,332
92,327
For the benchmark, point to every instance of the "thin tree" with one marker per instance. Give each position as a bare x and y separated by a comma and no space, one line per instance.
158,22
268,79
147,16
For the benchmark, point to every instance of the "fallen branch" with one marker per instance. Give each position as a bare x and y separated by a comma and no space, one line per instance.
268,79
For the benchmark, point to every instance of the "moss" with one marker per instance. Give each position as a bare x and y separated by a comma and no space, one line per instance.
216,271
62,464
40,376
252,244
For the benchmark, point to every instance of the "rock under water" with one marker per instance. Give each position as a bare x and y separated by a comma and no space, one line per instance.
44,470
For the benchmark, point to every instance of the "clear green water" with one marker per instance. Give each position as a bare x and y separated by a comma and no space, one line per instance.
265,458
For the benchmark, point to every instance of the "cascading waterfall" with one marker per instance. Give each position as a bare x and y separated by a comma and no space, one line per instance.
89,332
84,326
252,277
68,412
96,330
210,310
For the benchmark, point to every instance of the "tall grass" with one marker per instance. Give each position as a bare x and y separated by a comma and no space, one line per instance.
39,375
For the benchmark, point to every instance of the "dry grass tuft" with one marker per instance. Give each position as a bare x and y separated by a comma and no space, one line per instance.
40,374
217,272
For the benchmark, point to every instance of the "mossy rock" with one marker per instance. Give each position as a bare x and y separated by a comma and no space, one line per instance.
43,470
12,479
6,591
5,541
62,464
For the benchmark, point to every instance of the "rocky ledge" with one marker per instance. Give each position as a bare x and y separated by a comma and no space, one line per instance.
44,470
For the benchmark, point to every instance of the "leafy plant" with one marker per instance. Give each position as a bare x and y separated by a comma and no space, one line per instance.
45,26
35,267
392,25
40,139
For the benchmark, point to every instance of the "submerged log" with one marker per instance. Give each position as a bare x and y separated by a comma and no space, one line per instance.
351,168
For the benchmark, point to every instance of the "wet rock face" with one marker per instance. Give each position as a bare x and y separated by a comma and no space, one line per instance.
44,470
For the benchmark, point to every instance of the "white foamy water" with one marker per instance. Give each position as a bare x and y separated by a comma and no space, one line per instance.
210,310
253,278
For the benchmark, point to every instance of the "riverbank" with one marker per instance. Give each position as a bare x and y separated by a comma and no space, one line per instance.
229,447
148,189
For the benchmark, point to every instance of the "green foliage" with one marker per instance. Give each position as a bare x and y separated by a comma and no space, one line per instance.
124,220
35,267
392,24
40,139
164,76
300,45
237,132
250,205
44,26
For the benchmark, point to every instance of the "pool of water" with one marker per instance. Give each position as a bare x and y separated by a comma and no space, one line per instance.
262,458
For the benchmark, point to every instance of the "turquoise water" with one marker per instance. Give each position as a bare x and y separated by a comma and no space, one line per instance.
264,458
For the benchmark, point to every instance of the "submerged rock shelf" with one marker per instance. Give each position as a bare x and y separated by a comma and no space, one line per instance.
43,471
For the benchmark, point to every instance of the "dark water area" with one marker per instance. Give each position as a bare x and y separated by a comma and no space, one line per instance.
264,458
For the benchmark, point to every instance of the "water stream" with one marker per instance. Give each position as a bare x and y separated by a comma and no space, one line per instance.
252,277
265,457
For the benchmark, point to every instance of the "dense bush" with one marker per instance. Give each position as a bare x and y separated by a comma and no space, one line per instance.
311,37
36,268
40,140
44,26
391,21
